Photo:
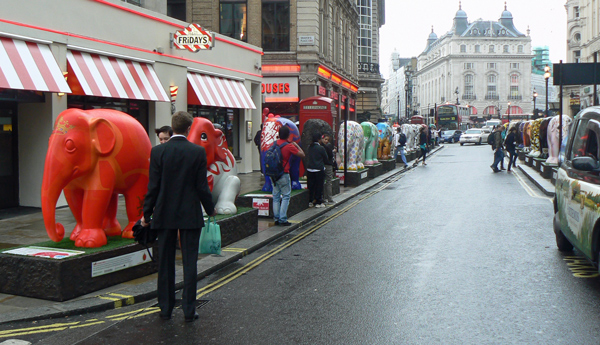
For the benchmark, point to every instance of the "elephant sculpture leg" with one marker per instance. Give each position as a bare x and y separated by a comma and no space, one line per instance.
230,191
95,205
75,200
110,225
134,204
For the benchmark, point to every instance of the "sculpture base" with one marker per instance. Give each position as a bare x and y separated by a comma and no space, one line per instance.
355,178
389,164
521,155
554,175
375,170
238,226
412,156
335,186
58,279
537,164
528,160
547,169
263,202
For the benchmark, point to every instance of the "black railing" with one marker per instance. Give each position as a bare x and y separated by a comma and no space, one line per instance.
492,97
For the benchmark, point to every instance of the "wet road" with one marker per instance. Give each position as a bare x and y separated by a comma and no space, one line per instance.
450,253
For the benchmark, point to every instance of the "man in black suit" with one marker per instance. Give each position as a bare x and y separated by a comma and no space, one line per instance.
177,185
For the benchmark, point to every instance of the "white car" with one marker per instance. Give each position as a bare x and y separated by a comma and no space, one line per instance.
473,135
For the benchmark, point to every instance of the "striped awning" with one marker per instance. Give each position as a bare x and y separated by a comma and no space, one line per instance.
218,92
29,66
105,76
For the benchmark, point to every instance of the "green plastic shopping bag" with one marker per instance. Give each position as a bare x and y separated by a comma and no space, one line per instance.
210,238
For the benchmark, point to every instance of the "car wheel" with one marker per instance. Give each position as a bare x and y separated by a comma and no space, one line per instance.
562,242
461,144
479,143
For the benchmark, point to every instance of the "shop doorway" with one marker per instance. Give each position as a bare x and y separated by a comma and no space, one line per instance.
9,171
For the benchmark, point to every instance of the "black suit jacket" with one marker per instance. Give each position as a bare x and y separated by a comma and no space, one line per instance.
177,185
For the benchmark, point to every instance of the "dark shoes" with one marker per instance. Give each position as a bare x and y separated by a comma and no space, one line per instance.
164,316
192,318
276,222
286,223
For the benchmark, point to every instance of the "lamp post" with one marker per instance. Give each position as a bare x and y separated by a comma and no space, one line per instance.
499,107
546,76
508,113
534,97
406,99
456,92
398,108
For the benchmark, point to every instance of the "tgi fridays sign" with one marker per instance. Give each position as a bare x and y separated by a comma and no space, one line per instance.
193,38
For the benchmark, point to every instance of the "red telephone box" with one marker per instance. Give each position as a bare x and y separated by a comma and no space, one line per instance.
318,107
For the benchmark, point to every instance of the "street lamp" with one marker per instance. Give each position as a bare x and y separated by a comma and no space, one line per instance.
534,97
546,76
508,114
499,107
406,99
456,92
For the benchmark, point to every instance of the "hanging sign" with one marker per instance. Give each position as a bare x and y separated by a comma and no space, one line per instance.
193,38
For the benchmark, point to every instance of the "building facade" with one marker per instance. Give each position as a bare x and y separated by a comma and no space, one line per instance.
372,17
482,64
90,54
399,88
310,47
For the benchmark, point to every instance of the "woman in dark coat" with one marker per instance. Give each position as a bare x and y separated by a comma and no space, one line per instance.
510,143
422,145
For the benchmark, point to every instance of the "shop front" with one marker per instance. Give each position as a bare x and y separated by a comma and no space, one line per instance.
54,60
280,91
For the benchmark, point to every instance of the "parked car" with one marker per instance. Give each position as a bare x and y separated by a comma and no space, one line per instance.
472,135
451,136
577,189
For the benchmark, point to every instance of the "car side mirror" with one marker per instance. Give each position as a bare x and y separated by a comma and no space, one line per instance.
585,163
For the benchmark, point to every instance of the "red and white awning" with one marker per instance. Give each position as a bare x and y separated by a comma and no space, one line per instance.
218,92
29,66
104,76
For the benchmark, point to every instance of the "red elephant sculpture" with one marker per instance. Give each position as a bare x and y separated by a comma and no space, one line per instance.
220,162
93,156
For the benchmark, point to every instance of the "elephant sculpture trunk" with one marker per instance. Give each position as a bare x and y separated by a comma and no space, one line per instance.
50,194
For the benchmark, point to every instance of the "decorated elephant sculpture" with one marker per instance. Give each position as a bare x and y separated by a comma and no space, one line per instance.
386,141
356,142
411,131
544,137
93,156
268,136
553,138
371,137
527,134
220,163
535,138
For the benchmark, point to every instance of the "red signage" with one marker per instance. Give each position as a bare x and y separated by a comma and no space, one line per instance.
193,38
351,101
334,95
322,91
276,88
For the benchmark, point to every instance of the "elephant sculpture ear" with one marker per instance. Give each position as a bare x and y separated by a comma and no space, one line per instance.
102,135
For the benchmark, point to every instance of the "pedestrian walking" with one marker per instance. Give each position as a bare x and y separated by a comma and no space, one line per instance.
400,143
164,133
497,148
422,146
329,168
510,142
177,187
282,187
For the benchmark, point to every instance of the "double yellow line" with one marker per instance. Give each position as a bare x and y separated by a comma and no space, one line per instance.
254,263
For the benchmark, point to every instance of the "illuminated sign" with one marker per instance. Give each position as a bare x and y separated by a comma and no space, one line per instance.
193,38
280,89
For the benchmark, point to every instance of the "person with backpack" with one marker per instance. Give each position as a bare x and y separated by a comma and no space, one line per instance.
510,142
326,142
497,147
277,168
400,142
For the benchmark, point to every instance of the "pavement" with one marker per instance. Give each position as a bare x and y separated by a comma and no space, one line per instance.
25,226
545,185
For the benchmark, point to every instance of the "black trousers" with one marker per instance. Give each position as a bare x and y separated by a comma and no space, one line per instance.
315,181
167,240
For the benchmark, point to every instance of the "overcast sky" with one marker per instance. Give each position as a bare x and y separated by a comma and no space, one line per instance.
408,24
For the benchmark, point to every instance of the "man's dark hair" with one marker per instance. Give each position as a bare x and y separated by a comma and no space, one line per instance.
181,121
316,136
164,129
284,132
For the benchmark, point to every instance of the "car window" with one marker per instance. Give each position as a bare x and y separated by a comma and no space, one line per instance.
591,147
473,131
579,140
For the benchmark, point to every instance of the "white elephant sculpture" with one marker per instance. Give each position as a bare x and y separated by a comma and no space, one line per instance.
553,143
356,146
411,132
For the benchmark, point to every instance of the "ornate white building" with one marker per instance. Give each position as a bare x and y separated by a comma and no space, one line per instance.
482,64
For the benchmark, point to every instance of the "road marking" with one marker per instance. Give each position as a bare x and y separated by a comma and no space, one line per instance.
235,250
581,267
256,262
528,189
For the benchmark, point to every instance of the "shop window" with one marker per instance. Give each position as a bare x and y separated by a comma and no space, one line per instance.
233,19
227,120
136,108
276,25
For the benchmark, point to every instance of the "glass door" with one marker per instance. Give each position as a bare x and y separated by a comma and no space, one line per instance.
9,172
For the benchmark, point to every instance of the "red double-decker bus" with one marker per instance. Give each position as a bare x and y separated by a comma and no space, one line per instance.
449,116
